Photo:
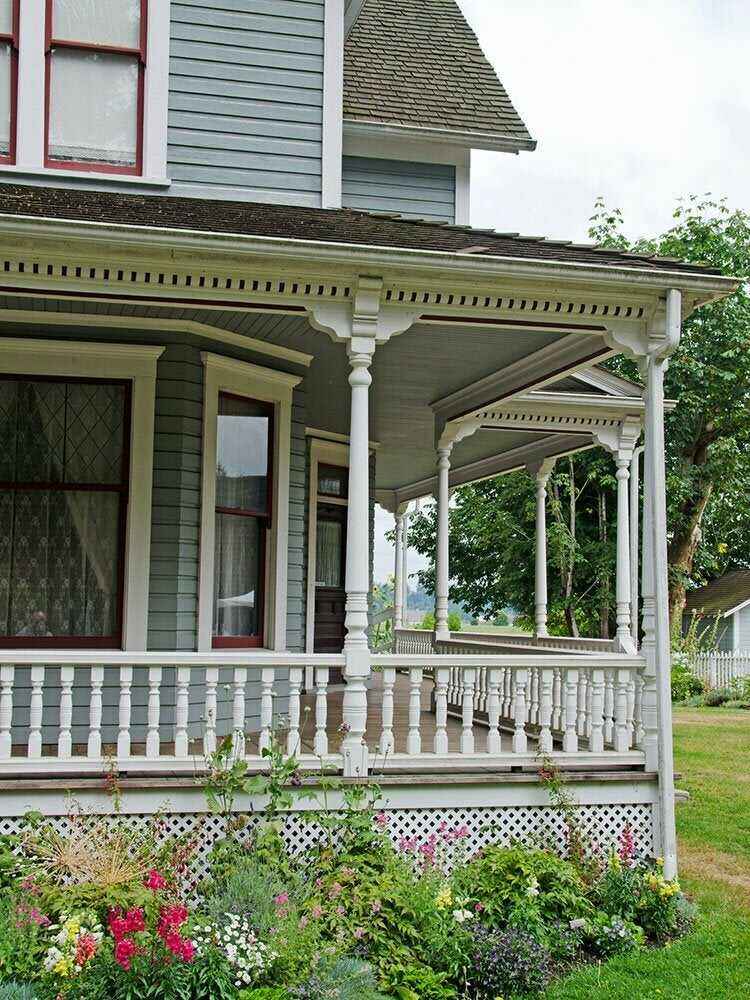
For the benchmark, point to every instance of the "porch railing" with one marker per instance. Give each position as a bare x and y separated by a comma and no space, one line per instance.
68,712
420,641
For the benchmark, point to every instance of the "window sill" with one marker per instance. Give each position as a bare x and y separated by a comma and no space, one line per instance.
94,177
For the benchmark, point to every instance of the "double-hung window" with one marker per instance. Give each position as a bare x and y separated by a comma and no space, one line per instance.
9,13
95,74
244,462
64,478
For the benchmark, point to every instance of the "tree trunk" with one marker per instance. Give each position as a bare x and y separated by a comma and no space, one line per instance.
682,549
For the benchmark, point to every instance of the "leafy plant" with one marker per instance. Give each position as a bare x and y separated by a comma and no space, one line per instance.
22,939
17,991
608,936
508,962
339,979
683,681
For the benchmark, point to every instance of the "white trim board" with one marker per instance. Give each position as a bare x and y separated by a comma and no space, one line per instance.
333,104
242,379
31,97
42,318
136,364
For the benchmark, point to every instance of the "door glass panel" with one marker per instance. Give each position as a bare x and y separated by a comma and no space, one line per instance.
6,17
104,22
5,81
329,554
242,453
93,114
237,576
332,481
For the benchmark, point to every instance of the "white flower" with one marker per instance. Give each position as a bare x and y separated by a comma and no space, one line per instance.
533,889
461,916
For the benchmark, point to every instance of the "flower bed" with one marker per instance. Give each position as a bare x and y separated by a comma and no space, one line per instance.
107,913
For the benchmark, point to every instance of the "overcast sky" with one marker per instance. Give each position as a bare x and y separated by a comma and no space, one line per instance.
637,101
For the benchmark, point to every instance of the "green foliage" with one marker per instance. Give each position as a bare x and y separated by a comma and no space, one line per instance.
343,978
22,939
521,887
264,993
501,620
455,624
716,697
607,936
417,982
17,991
684,682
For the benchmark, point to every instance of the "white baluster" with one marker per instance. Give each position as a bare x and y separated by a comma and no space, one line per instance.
124,712
596,718
557,699
267,678
65,735
442,675
507,709
35,712
519,710
581,707
609,705
494,679
621,728
545,709
467,710
293,736
589,695
638,710
210,710
239,681
321,711
387,744
94,743
414,739
570,739
7,672
182,712
154,713
480,700
534,690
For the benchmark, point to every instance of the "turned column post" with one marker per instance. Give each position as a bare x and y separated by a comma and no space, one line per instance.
442,554
398,590
542,473
623,581
405,571
634,529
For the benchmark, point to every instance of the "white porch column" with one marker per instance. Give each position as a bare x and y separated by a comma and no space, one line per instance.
442,571
405,570
398,589
542,473
622,583
634,529
357,668
656,579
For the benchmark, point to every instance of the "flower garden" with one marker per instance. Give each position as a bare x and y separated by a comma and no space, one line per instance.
105,911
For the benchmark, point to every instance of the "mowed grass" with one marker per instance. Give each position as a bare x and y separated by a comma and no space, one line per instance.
712,754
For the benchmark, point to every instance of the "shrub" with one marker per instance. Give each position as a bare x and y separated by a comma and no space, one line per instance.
717,697
342,978
22,939
17,991
523,887
265,993
248,891
658,907
417,981
508,962
608,936
684,683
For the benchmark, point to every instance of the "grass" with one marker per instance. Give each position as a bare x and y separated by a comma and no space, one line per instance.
712,753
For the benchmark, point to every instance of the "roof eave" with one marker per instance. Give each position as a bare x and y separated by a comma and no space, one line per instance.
496,142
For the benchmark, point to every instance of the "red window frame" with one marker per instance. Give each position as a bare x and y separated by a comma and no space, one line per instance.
266,519
113,641
12,40
50,43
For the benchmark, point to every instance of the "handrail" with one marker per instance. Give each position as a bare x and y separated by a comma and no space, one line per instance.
218,658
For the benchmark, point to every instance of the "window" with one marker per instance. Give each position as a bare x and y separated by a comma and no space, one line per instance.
9,10
64,471
96,63
333,481
243,516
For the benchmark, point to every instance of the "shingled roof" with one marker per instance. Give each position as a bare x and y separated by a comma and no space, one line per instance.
287,222
418,63
720,596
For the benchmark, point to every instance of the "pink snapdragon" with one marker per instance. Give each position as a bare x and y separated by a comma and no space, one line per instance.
626,845
155,881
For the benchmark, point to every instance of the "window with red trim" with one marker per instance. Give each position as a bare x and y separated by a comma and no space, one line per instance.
244,504
96,64
64,473
9,16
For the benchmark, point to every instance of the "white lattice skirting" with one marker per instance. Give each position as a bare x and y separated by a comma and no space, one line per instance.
603,823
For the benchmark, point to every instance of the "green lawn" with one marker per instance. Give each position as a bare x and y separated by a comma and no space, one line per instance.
712,753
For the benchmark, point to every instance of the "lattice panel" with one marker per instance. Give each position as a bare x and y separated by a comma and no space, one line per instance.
492,824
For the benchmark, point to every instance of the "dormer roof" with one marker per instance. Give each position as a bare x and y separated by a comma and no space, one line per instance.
417,65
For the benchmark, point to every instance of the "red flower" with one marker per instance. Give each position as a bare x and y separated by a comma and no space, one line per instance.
155,881
173,941
118,925
134,920
85,949
124,951
187,952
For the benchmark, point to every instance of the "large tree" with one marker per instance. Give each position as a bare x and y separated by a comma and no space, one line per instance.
708,463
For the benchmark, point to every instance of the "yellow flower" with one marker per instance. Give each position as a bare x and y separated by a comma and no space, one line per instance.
444,898
62,968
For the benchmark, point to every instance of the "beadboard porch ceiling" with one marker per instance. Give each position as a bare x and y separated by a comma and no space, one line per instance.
409,373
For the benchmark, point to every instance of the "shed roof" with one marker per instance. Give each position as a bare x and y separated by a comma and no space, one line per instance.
722,596
418,63
337,226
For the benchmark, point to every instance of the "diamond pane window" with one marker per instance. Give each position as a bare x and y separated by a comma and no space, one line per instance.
63,502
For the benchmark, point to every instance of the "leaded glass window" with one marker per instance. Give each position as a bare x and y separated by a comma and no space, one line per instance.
63,502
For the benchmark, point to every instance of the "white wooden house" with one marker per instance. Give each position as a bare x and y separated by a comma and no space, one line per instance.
241,301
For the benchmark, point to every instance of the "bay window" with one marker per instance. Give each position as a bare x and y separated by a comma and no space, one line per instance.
95,73
243,510
64,476
9,12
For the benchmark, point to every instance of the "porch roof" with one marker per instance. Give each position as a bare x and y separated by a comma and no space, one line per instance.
313,226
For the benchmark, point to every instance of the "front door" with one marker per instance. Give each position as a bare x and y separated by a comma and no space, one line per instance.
330,595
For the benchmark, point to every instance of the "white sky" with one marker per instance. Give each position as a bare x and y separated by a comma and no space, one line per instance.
637,101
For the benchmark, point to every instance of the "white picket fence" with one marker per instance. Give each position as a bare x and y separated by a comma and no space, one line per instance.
719,669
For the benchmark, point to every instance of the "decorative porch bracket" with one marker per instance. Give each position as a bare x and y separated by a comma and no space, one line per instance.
362,324
651,345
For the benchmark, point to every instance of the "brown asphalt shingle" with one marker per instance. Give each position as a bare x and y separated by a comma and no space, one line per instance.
721,595
286,222
418,63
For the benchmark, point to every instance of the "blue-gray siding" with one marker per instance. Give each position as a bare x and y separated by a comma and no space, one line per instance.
414,190
246,99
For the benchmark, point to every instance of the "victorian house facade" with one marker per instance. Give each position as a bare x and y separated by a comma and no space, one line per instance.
241,302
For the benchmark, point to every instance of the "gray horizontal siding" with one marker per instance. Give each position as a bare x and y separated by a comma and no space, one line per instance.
414,190
246,99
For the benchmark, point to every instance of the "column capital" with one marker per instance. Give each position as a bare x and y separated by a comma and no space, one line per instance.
363,317
655,338
542,469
